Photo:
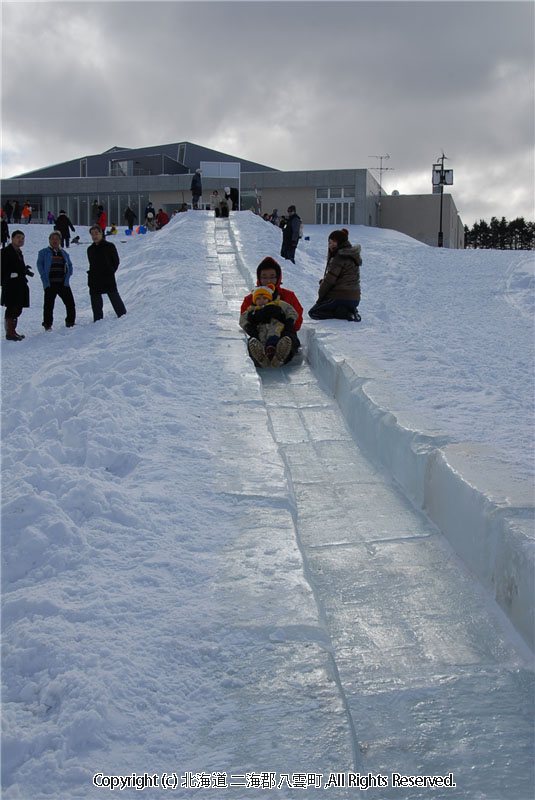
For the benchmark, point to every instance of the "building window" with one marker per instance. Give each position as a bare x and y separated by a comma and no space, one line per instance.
335,192
335,212
120,168
181,153
83,168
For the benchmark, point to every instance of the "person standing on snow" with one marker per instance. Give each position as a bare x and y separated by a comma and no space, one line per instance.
103,264
55,268
15,289
102,220
339,292
64,226
235,198
129,216
94,212
5,231
196,188
290,235
27,213
269,272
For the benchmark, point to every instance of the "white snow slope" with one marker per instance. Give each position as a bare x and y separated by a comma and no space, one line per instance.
207,582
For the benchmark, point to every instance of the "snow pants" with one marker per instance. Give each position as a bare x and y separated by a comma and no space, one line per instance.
333,308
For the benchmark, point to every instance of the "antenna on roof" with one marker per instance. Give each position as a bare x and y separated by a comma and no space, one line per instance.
381,170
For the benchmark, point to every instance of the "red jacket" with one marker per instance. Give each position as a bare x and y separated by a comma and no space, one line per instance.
162,218
283,294
102,220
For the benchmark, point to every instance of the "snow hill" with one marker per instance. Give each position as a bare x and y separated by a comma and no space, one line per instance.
227,578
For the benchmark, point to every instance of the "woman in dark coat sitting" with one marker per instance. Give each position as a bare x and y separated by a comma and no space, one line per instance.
339,292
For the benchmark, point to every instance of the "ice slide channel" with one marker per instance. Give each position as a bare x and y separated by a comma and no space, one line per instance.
431,676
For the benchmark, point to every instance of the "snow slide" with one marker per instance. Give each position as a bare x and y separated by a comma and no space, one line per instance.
204,576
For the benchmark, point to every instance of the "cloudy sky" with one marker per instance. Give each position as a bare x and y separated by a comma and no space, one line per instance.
295,85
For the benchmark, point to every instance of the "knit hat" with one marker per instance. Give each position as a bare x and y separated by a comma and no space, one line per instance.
340,237
263,291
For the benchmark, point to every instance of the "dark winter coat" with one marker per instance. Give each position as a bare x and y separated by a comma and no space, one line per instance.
235,197
196,184
15,289
130,216
290,233
341,279
290,236
63,225
103,263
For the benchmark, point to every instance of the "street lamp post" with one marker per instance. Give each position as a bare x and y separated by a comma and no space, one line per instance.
440,178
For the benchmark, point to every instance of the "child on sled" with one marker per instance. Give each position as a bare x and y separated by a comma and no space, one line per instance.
266,322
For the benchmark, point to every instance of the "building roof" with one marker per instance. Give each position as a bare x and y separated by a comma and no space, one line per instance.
163,159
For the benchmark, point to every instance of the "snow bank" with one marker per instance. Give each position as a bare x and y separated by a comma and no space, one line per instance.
490,528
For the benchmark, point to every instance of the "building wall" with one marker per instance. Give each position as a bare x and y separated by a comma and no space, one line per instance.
303,198
419,216
310,191
172,198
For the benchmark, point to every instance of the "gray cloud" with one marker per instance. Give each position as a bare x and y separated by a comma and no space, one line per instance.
295,85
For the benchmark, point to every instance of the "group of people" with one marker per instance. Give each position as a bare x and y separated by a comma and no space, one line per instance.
272,315
153,220
14,212
221,204
55,270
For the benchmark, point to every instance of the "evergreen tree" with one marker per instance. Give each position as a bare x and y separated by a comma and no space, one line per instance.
501,235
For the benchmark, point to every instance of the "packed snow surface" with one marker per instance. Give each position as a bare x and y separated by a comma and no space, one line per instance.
203,576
